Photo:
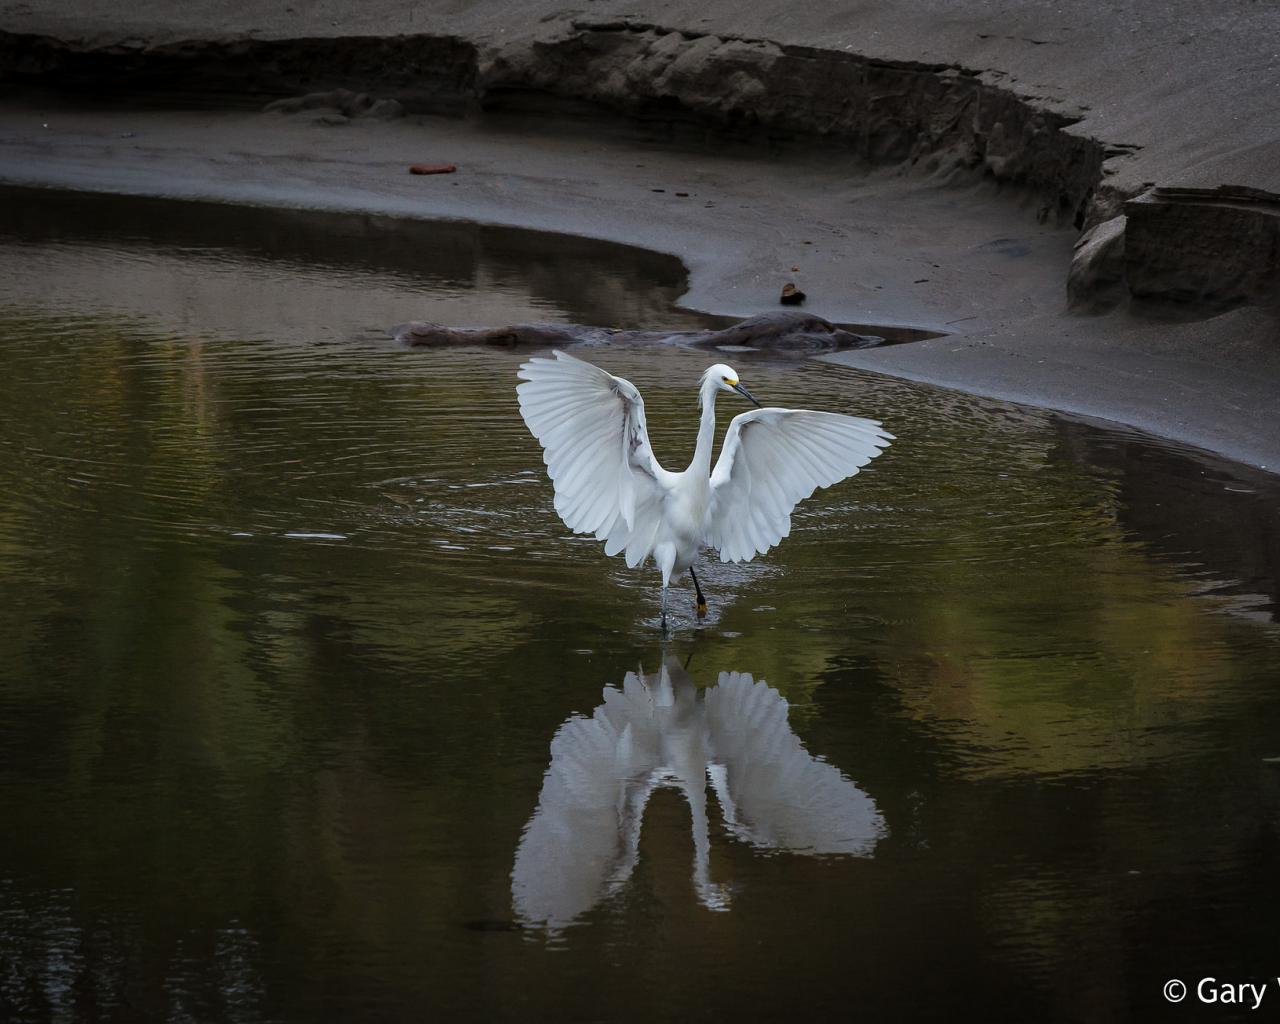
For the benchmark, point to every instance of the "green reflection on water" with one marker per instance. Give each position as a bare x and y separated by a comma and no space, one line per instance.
290,625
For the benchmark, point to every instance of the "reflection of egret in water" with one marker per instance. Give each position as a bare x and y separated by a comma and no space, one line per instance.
583,839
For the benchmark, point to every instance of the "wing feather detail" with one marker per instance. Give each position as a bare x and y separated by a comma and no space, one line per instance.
772,791
771,460
595,442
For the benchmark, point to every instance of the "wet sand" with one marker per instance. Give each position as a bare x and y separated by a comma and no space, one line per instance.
1181,93
962,255
1159,113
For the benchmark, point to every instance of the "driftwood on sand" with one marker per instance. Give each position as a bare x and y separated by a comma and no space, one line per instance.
782,331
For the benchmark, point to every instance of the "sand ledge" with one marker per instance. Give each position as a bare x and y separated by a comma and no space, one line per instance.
992,274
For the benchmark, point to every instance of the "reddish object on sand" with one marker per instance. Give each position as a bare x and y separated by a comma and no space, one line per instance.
432,169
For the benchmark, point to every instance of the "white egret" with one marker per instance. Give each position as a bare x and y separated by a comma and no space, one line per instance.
608,481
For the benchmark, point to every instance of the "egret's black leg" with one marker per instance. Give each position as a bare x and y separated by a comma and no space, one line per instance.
664,611
702,601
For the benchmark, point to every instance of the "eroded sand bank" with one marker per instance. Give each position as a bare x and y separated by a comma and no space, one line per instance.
966,149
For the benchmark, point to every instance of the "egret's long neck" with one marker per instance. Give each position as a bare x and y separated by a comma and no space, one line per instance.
706,431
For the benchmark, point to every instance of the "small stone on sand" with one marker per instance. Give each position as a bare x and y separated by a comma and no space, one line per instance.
791,295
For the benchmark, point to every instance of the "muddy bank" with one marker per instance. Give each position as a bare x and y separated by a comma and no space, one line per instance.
784,333
965,266
926,166
938,115
1164,240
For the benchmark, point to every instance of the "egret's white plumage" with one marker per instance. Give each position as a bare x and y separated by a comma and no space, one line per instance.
608,481
657,730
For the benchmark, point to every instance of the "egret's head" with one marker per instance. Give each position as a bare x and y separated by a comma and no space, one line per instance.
725,378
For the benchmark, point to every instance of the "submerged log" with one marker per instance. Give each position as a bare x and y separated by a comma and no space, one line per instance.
781,331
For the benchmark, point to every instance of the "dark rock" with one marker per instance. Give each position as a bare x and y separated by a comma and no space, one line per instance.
791,295
423,334
787,331
798,333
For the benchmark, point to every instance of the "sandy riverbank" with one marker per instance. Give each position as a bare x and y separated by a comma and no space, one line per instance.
978,245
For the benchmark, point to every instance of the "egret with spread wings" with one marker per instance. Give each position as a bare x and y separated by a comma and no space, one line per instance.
608,481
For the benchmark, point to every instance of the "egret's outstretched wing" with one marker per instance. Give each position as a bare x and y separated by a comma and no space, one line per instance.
773,792
584,837
592,427
774,458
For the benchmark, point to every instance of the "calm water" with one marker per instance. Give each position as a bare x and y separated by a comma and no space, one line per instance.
311,709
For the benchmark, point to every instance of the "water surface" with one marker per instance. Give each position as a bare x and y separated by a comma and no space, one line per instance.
299,679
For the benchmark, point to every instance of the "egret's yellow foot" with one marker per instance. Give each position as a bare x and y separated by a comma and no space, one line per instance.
702,601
